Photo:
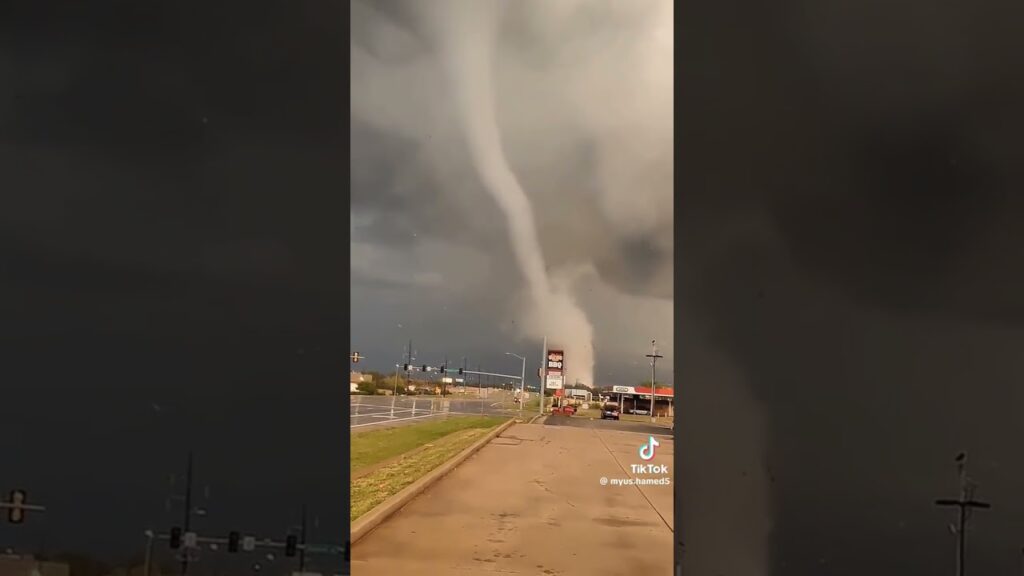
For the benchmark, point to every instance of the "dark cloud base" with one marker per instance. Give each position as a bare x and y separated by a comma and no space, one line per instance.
848,228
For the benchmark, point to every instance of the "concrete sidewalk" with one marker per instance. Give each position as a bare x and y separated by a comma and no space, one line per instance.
531,502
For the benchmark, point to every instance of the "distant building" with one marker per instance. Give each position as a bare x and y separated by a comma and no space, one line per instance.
632,398
579,394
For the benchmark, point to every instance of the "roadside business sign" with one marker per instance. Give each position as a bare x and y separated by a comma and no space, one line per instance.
556,361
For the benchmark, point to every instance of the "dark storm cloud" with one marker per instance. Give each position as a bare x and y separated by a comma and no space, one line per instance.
853,253
593,155
171,235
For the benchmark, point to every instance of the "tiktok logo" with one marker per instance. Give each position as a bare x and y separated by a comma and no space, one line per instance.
647,449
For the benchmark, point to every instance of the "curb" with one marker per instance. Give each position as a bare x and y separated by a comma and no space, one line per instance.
367,522
537,417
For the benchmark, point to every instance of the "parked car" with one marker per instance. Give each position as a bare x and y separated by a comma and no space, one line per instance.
610,411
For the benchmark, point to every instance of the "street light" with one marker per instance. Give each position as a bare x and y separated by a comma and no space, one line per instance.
150,535
522,382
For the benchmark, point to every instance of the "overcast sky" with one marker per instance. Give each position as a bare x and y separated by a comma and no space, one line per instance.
170,268
850,285
584,106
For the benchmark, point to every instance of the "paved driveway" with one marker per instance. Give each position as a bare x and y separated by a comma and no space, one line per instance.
531,502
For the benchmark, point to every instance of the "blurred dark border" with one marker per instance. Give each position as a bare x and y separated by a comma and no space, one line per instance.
102,120
678,30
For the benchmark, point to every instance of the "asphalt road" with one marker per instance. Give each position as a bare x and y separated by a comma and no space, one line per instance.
536,501
619,425
375,412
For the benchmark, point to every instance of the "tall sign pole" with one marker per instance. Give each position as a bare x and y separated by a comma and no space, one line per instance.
543,376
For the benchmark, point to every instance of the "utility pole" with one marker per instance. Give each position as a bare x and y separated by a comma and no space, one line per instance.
965,504
654,361
188,512
302,540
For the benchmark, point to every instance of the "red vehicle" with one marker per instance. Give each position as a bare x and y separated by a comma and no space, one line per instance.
567,410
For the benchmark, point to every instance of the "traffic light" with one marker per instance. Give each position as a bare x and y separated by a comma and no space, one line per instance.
290,543
461,371
16,514
233,539
425,367
175,538
405,367
443,369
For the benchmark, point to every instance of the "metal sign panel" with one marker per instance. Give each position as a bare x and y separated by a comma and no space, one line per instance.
623,389
556,361
554,382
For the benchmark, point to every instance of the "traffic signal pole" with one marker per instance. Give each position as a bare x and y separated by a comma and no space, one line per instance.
290,545
16,506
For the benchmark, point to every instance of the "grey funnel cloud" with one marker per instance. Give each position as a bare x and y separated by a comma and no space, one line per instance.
463,32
